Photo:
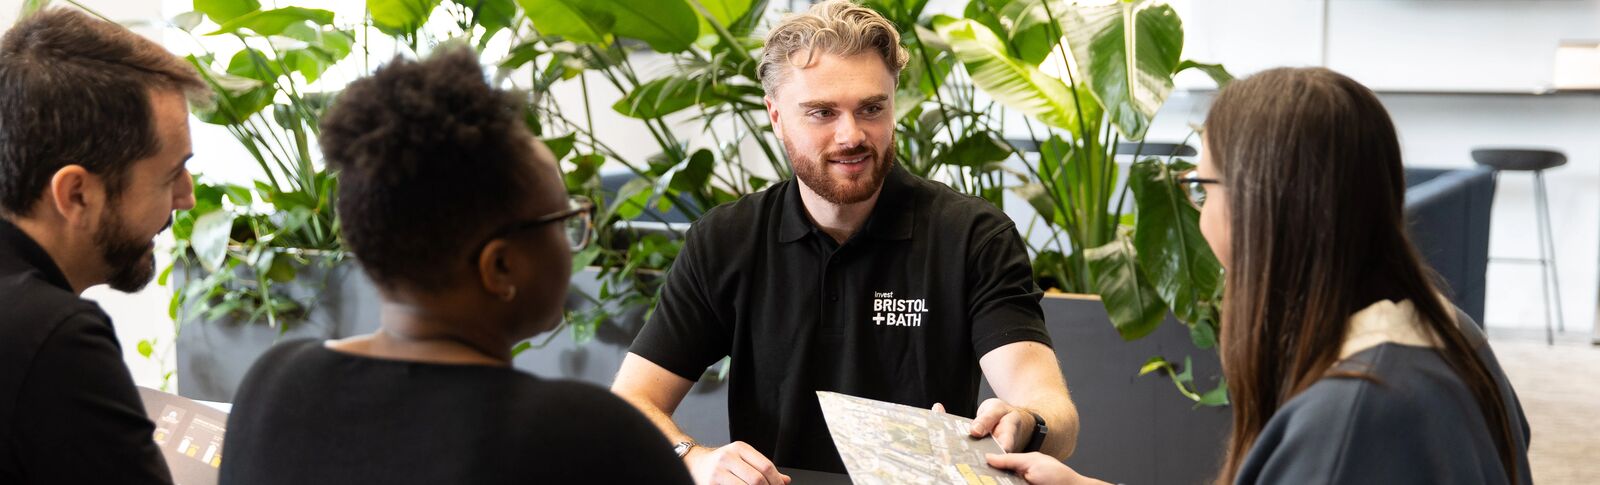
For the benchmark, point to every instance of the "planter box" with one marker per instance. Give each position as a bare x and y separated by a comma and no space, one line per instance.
1134,429
704,411
213,356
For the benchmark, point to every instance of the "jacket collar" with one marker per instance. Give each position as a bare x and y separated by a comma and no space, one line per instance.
20,252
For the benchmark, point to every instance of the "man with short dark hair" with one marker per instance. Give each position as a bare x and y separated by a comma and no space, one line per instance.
94,137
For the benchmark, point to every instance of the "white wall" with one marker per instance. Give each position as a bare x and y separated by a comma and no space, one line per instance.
1434,45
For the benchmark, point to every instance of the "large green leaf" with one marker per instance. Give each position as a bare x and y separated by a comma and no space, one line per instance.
238,97
564,18
921,78
224,10
902,13
493,15
1038,197
323,50
1172,251
658,97
273,22
724,12
632,199
1083,180
690,175
1009,80
976,150
1128,51
210,238
1133,305
253,64
583,173
667,25
1032,33
1218,74
400,17
1217,396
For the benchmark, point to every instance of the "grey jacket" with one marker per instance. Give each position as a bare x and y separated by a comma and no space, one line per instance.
1418,423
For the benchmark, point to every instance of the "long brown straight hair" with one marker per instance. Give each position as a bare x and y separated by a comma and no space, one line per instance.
1316,190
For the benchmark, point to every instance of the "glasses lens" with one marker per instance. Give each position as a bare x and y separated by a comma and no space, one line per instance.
1196,191
579,226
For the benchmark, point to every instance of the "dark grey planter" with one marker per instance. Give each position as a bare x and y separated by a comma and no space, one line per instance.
213,356
1135,429
704,411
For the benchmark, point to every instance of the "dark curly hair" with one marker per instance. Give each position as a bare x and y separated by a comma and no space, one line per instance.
430,159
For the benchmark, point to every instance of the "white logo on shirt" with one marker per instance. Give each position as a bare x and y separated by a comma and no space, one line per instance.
897,312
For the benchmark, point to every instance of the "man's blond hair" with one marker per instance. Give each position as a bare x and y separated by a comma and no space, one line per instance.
837,27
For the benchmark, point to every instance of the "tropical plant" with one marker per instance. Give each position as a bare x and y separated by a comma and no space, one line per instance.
1088,80
247,239
1084,78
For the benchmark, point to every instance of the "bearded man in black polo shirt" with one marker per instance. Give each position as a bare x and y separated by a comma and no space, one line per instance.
855,277
94,136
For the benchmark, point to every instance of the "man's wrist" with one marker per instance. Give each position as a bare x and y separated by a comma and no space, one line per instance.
1038,432
683,448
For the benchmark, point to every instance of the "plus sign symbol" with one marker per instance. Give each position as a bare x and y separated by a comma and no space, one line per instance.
877,318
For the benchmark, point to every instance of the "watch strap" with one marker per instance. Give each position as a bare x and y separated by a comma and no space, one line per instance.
1036,441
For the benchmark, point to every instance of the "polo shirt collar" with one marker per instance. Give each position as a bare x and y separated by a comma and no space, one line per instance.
18,247
893,218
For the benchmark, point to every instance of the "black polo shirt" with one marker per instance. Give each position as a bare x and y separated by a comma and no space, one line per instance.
68,410
900,312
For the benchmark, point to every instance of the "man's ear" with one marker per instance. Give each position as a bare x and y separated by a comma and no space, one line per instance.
494,270
772,115
75,194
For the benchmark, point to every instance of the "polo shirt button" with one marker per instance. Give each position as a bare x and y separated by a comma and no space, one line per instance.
835,297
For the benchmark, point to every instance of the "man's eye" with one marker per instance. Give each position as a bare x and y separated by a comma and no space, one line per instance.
822,113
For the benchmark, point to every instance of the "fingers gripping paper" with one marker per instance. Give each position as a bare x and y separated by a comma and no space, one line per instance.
887,443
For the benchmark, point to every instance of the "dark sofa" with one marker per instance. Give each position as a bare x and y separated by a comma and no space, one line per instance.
1448,212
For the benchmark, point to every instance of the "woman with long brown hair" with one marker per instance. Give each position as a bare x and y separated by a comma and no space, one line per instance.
1344,361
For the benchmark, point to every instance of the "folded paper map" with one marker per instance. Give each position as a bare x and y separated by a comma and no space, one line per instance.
887,443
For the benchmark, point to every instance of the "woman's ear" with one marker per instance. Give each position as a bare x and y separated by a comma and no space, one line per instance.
495,271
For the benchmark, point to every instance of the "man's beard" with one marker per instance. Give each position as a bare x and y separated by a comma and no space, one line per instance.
129,257
814,172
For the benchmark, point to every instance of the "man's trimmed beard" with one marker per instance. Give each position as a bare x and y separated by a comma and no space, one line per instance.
130,258
813,171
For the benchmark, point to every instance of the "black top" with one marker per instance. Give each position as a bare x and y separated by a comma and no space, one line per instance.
1416,422
307,415
69,412
901,312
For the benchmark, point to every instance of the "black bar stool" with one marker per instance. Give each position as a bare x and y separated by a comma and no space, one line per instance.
1536,161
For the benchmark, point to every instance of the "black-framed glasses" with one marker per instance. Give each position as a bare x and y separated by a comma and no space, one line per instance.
1195,187
577,223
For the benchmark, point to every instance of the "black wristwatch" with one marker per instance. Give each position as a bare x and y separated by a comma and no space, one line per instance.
1039,431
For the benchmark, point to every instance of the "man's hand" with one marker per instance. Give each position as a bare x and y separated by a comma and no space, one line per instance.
733,464
1039,469
1010,425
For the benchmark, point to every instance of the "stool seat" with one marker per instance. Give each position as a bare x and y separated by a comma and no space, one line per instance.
1518,159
